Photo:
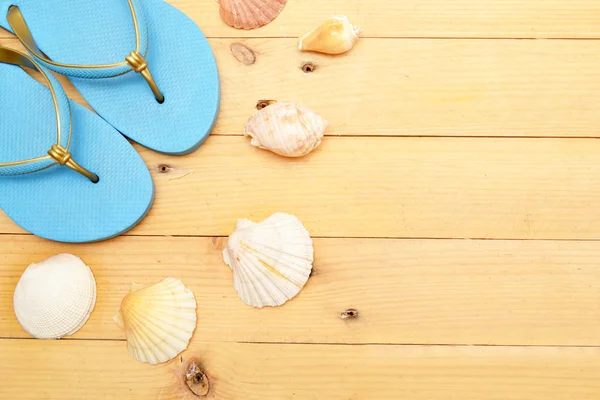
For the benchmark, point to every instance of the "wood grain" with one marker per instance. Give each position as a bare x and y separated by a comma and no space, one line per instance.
419,18
405,291
420,87
423,87
384,187
435,136
104,370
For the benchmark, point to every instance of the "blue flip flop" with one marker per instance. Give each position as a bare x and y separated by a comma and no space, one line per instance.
142,65
65,174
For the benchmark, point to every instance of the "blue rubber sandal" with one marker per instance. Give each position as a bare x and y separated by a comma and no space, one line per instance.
170,105
65,174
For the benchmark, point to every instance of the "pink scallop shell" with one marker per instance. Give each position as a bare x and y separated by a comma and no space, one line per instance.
250,14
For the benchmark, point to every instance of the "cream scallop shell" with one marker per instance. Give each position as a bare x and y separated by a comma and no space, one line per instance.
271,260
333,36
55,297
250,14
286,129
158,320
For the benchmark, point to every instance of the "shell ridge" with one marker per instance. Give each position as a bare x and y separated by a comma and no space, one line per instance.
160,324
273,266
247,282
176,310
239,13
271,251
268,287
159,320
256,11
264,283
147,342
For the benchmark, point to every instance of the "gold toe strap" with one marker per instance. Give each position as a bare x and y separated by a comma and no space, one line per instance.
59,152
137,62
135,59
63,157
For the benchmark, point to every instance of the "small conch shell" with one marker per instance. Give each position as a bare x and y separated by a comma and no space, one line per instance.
334,36
55,297
158,320
286,129
271,260
250,14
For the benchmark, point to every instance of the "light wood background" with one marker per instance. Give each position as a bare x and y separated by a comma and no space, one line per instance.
455,204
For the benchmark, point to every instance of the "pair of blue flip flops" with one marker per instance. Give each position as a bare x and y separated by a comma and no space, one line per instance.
67,174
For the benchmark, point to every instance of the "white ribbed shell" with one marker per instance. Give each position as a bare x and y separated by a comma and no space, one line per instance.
158,320
55,297
271,260
286,129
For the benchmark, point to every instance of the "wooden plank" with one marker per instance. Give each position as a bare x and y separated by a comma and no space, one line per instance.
419,18
400,87
103,370
384,187
406,291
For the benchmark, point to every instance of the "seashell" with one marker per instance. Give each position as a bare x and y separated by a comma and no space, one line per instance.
286,129
55,297
334,36
158,320
271,260
250,14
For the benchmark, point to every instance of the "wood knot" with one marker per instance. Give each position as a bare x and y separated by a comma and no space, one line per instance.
196,379
308,67
218,242
350,313
243,53
264,103
163,168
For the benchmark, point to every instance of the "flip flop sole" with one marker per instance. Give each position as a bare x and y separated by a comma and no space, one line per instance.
58,203
179,57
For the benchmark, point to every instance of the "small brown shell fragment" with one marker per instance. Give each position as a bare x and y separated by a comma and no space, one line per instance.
250,14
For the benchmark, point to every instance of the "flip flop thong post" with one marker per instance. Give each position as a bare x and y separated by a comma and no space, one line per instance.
65,174
142,65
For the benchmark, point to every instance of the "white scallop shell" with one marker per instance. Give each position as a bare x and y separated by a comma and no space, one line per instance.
271,260
286,129
158,320
55,297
